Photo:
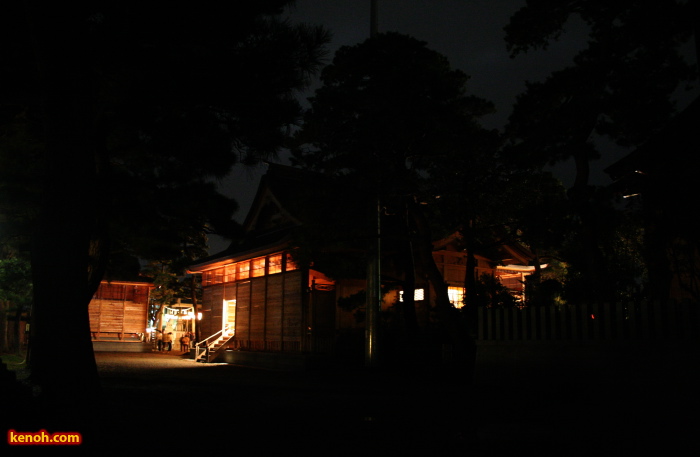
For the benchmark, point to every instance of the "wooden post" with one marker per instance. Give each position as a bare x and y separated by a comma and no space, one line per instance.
575,329
544,334
596,323
374,296
480,322
499,332
374,293
619,321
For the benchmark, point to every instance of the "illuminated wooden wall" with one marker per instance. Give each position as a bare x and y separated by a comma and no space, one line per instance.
119,310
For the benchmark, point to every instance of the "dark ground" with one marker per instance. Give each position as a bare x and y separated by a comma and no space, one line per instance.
162,402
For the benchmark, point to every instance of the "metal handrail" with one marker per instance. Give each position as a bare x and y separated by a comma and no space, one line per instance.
198,349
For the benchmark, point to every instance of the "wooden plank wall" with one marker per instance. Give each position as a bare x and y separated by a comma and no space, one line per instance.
205,325
274,314
216,314
243,311
268,311
115,318
135,317
257,309
293,320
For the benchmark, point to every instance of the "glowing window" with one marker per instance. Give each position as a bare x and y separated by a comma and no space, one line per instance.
274,264
229,273
243,269
418,295
258,267
291,265
456,295
218,276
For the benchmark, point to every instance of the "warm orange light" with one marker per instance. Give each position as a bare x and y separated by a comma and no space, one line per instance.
258,267
243,269
274,264
291,265
230,273
456,295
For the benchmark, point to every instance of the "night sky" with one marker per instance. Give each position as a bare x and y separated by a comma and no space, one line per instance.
470,33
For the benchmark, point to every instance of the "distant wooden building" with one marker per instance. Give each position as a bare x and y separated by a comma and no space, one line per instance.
257,298
119,313
510,268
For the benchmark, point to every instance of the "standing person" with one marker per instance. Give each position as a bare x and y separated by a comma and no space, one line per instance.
185,343
168,341
159,340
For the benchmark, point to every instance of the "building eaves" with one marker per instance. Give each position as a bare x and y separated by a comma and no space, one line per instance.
259,245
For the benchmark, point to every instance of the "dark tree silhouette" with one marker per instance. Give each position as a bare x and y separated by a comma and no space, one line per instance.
620,86
134,107
388,111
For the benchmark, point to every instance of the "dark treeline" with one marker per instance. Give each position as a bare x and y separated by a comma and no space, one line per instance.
115,119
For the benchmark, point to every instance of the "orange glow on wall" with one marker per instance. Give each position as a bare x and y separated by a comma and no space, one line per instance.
250,268
274,264
291,265
243,270
230,273
258,267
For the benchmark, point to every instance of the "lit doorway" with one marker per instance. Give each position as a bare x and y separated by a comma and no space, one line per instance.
228,323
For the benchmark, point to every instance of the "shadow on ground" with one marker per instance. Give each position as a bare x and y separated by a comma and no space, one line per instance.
158,402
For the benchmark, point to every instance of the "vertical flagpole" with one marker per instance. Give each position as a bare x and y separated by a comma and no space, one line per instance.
374,287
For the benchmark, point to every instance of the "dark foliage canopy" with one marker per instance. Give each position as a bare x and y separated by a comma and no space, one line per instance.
118,116
172,97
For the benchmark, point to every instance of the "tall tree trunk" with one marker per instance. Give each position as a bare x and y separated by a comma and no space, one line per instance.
68,251
656,251
464,347
532,294
19,328
195,306
408,308
580,196
470,295
4,327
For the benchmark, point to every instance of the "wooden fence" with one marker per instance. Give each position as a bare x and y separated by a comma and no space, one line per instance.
592,322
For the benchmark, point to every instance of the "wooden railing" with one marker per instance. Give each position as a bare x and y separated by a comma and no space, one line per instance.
203,348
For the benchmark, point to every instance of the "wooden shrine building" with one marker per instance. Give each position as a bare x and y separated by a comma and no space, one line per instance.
119,316
258,300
